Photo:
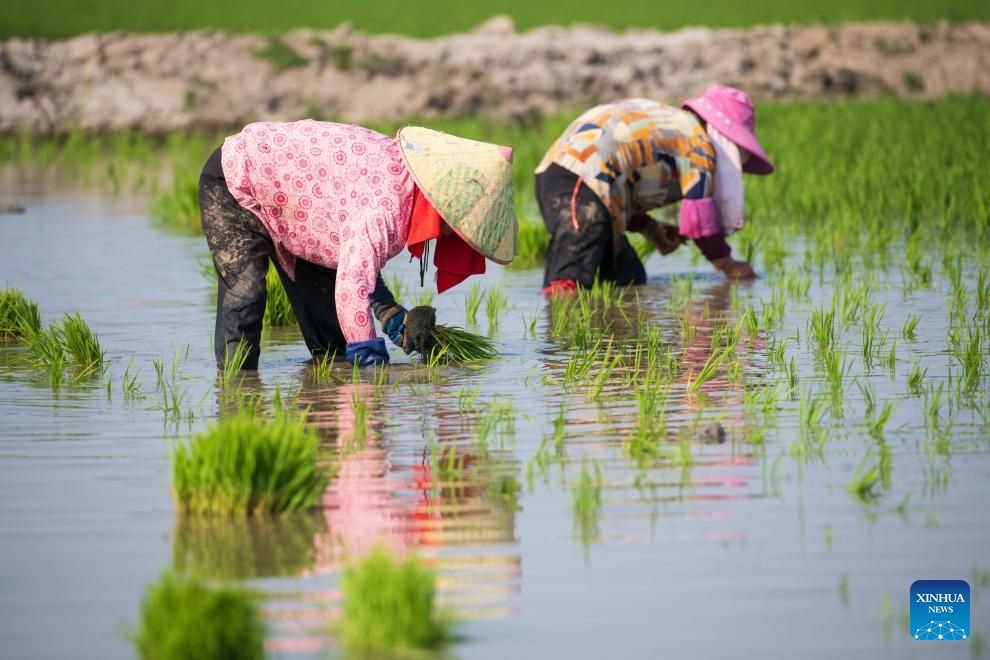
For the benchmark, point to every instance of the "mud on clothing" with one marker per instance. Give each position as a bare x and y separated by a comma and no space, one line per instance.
637,155
578,254
582,254
242,247
336,195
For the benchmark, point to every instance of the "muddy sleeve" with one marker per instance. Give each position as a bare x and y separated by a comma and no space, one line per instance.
363,247
382,299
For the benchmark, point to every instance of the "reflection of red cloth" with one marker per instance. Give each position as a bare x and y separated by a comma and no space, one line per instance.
455,259
558,288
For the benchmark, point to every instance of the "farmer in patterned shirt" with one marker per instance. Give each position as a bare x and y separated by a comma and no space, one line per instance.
329,204
619,160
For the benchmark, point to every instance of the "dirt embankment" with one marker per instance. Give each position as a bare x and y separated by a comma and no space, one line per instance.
211,79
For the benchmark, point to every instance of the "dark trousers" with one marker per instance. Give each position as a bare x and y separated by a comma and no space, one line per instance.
581,254
242,248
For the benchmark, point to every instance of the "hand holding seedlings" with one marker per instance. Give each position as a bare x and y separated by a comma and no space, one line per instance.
420,325
663,236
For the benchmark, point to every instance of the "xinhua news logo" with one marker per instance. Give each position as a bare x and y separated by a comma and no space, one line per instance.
940,610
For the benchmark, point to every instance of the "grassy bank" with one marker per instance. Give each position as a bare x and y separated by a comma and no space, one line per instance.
856,177
58,18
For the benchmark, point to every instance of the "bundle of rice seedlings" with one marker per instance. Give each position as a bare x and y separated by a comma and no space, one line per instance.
388,606
183,617
244,465
80,342
65,342
19,316
455,344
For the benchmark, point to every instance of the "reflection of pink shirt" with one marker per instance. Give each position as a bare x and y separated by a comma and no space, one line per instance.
333,194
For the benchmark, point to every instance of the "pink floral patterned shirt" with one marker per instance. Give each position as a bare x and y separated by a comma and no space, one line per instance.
334,194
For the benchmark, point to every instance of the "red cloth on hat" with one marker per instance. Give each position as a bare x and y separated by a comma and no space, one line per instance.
454,259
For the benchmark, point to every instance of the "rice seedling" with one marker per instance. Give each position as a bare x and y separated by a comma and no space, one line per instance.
472,302
232,364
891,359
875,425
396,286
359,425
792,377
278,309
67,342
80,342
916,379
707,371
681,290
865,484
811,410
48,351
425,298
580,364
605,370
752,324
495,303
972,358
322,368
822,329
388,606
837,367
933,403
869,398
910,326
461,346
20,319
586,501
129,384
983,291
244,465
183,617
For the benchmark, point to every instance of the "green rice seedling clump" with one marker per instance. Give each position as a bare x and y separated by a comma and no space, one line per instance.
19,316
455,344
69,341
247,465
182,617
388,605
80,342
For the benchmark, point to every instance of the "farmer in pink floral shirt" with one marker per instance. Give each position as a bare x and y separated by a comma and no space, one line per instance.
329,204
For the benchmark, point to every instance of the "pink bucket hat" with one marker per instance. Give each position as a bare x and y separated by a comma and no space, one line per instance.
731,112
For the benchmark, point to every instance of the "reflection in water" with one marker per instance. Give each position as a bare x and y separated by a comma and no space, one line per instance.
447,489
234,548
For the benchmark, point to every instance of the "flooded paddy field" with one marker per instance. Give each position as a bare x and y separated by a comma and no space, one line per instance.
572,495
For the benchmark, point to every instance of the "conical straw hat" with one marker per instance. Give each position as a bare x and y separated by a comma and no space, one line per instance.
469,184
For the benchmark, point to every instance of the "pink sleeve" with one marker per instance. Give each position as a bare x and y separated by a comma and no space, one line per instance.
699,218
363,253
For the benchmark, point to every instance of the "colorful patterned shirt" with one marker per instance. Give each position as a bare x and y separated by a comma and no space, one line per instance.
337,195
637,155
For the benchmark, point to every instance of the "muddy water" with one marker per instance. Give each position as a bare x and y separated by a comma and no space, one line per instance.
755,547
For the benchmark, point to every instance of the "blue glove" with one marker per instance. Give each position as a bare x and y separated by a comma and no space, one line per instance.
395,327
366,353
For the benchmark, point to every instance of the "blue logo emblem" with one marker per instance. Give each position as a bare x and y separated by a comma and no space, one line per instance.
940,610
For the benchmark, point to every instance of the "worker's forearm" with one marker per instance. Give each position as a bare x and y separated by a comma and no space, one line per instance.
381,298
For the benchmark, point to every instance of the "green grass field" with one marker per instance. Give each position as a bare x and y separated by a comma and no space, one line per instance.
56,18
